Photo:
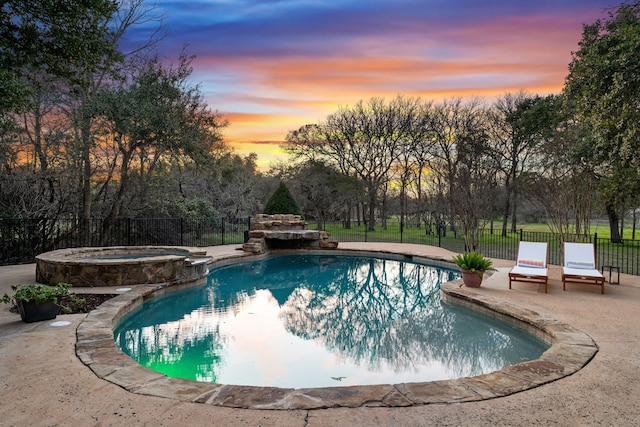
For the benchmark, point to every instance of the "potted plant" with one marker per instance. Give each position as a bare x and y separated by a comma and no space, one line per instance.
473,265
36,302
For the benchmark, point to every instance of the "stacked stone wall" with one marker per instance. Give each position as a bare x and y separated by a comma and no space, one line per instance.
284,231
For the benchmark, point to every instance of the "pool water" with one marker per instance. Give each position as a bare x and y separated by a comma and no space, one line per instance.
299,321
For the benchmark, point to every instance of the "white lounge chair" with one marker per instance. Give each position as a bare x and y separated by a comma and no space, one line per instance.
580,265
531,265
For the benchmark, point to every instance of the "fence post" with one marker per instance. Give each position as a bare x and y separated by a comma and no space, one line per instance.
181,231
222,225
44,235
401,230
129,231
521,234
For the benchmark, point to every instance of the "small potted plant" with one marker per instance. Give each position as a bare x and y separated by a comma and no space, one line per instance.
36,302
473,265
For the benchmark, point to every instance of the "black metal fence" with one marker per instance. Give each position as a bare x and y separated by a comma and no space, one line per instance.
22,239
624,255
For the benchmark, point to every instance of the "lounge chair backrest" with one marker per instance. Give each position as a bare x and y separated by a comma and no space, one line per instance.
579,255
532,254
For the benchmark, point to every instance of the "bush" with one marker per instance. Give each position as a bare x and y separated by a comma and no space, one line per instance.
473,261
282,202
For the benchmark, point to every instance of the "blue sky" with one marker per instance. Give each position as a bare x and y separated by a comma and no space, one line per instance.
271,66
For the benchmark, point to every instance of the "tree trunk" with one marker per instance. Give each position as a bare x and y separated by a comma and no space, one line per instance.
116,207
403,203
613,223
514,211
85,229
505,213
372,213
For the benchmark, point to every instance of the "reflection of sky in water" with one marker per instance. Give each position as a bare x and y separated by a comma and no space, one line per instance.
318,320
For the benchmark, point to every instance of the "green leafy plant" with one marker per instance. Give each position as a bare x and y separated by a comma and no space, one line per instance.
282,202
473,261
38,293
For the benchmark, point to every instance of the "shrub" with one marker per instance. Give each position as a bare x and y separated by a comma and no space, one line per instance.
282,202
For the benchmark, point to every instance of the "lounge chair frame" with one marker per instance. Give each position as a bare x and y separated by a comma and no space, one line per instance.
531,250
581,276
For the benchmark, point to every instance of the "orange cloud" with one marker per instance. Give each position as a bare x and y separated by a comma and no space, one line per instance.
267,93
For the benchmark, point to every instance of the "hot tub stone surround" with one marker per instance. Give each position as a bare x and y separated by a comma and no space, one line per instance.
284,231
92,267
570,350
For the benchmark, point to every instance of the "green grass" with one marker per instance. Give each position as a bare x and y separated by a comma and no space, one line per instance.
493,244
601,227
412,233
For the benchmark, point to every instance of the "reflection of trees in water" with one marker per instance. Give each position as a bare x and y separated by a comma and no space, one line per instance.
183,343
373,312
468,343
367,310
380,311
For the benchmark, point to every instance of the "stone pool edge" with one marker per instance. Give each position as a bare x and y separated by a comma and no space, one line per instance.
570,350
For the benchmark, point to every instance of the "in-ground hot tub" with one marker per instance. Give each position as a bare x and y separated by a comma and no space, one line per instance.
121,265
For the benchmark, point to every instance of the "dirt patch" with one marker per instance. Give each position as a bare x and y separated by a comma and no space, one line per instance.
84,303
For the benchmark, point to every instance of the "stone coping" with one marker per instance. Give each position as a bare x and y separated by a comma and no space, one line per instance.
570,351
100,255
121,265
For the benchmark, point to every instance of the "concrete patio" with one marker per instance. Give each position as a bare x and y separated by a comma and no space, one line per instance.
43,382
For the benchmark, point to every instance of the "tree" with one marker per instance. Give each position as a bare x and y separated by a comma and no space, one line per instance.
459,151
473,180
362,141
282,202
519,124
563,182
413,159
54,37
323,192
604,86
154,117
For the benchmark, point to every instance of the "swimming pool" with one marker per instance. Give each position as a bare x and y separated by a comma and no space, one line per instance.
317,321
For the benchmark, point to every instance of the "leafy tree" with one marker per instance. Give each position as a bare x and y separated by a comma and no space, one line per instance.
282,202
604,86
519,125
151,119
323,192
55,37
230,182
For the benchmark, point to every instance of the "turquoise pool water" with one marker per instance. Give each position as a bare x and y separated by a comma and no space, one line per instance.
299,321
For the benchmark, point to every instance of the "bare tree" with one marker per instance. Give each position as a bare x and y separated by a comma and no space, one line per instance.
361,141
463,159
563,185
413,160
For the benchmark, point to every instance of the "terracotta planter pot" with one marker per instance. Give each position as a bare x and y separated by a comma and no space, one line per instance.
32,312
471,278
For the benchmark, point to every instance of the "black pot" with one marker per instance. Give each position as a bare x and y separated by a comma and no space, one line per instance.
36,312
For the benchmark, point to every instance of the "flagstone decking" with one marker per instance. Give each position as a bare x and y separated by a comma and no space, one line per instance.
43,380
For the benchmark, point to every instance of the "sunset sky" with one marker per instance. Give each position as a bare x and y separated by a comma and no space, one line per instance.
271,66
